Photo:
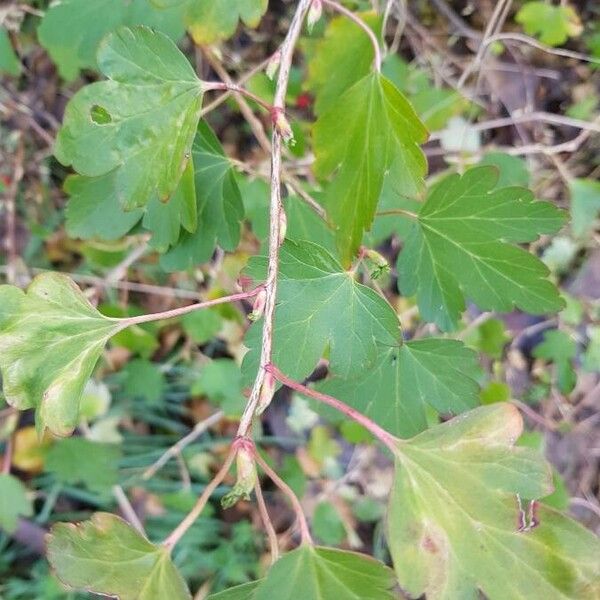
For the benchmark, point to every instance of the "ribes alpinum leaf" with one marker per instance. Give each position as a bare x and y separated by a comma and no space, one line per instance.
51,338
396,392
460,246
71,30
239,592
317,573
166,220
218,204
460,517
107,556
322,307
140,124
205,208
94,209
371,129
209,21
343,56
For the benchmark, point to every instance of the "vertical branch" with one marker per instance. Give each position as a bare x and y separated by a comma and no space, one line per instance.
276,216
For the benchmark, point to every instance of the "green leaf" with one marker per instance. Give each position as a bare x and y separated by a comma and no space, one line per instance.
343,56
209,21
9,63
51,338
434,105
585,205
551,24
371,129
144,379
107,556
165,219
395,394
315,573
13,502
139,124
219,206
455,524
318,305
71,30
303,223
246,591
459,246
94,210
77,461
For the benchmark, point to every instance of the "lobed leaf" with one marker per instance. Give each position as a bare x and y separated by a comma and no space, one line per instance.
459,521
316,573
107,556
71,30
371,129
341,58
239,592
205,209
141,123
94,209
396,392
51,338
460,246
321,307
218,204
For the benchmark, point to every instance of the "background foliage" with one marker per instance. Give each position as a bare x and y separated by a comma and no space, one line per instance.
473,284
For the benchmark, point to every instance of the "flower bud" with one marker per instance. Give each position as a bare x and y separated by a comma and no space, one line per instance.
379,260
314,13
259,306
246,479
266,393
282,126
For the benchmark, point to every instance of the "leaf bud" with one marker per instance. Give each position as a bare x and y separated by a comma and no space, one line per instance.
282,126
259,306
282,225
266,393
314,13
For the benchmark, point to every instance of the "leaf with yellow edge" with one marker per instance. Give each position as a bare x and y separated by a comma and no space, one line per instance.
51,338
107,556
460,517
